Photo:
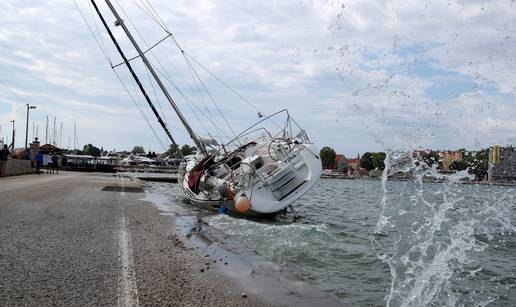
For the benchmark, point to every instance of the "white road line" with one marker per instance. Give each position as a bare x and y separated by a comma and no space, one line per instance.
127,290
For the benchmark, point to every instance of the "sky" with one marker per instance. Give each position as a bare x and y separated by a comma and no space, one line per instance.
356,75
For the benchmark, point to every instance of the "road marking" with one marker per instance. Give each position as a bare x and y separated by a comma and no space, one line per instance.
127,290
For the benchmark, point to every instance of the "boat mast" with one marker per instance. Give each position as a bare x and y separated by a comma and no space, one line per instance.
120,22
142,89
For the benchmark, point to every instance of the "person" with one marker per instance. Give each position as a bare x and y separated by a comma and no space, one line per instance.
55,164
39,162
4,153
47,162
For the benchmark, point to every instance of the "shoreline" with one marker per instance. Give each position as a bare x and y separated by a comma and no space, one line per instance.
502,184
67,240
258,276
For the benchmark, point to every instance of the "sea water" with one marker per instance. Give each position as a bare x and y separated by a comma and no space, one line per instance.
396,243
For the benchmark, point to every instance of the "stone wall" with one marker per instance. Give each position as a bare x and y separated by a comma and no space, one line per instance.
15,167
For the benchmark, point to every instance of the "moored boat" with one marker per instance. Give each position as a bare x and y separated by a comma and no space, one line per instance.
261,171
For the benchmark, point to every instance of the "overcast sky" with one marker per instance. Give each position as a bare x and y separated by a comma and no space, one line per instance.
357,75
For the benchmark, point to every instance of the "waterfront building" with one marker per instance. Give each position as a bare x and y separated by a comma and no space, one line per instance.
502,164
448,157
354,168
341,163
354,163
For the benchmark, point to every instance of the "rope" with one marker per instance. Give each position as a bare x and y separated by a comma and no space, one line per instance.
12,92
211,97
146,70
139,109
224,83
195,76
169,79
93,34
100,44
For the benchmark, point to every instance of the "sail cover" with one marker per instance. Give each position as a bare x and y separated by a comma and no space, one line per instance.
196,173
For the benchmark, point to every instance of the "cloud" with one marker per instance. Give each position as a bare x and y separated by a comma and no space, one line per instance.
420,73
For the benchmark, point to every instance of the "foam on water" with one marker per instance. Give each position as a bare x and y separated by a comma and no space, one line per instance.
392,242
434,234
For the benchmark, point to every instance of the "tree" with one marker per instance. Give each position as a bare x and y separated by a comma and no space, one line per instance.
431,158
458,165
187,150
91,150
378,158
173,151
478,163
138,150
327,155
366,161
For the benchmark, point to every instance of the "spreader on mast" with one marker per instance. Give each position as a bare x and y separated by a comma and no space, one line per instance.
120,22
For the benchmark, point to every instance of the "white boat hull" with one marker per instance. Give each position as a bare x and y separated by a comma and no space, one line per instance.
269,193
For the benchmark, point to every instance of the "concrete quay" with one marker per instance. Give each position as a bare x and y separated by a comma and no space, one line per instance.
66,239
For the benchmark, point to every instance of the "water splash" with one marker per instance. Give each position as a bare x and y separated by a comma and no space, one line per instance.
427,236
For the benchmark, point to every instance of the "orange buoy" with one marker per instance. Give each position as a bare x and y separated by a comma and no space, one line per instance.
242,204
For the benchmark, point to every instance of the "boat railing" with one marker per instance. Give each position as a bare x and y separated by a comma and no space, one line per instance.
288,129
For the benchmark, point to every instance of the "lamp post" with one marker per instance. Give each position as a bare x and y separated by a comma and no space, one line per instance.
27,126
13,135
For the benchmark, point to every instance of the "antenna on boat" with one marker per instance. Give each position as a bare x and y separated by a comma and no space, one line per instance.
120,22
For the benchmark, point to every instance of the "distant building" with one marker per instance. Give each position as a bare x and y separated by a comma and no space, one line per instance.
448,157
354,164
341,163
502,164
354,168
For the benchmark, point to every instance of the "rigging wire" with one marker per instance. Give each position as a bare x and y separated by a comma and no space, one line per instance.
188,100
223,83
164,26
216,125
158,70
151,16
166,29
12,92
93,34
211,98
11,113
146,70
155,11
116,73
195,76
93,17
139,109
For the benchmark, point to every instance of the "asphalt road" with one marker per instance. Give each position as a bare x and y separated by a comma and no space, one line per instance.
64,241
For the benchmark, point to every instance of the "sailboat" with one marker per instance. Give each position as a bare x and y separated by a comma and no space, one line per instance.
261,171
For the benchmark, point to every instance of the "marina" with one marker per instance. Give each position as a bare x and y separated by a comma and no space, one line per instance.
291,153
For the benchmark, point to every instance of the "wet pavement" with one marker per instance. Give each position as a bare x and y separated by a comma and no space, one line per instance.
64,241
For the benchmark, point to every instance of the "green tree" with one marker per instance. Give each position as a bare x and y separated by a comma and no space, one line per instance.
431,158
91,150
138,150
366,161
378,158
478,163
459,165
173,151
327,155
188,150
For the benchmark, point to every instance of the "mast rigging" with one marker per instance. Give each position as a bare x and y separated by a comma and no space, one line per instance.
120,22
142,89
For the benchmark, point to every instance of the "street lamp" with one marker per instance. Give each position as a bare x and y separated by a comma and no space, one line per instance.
12,121
27,126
